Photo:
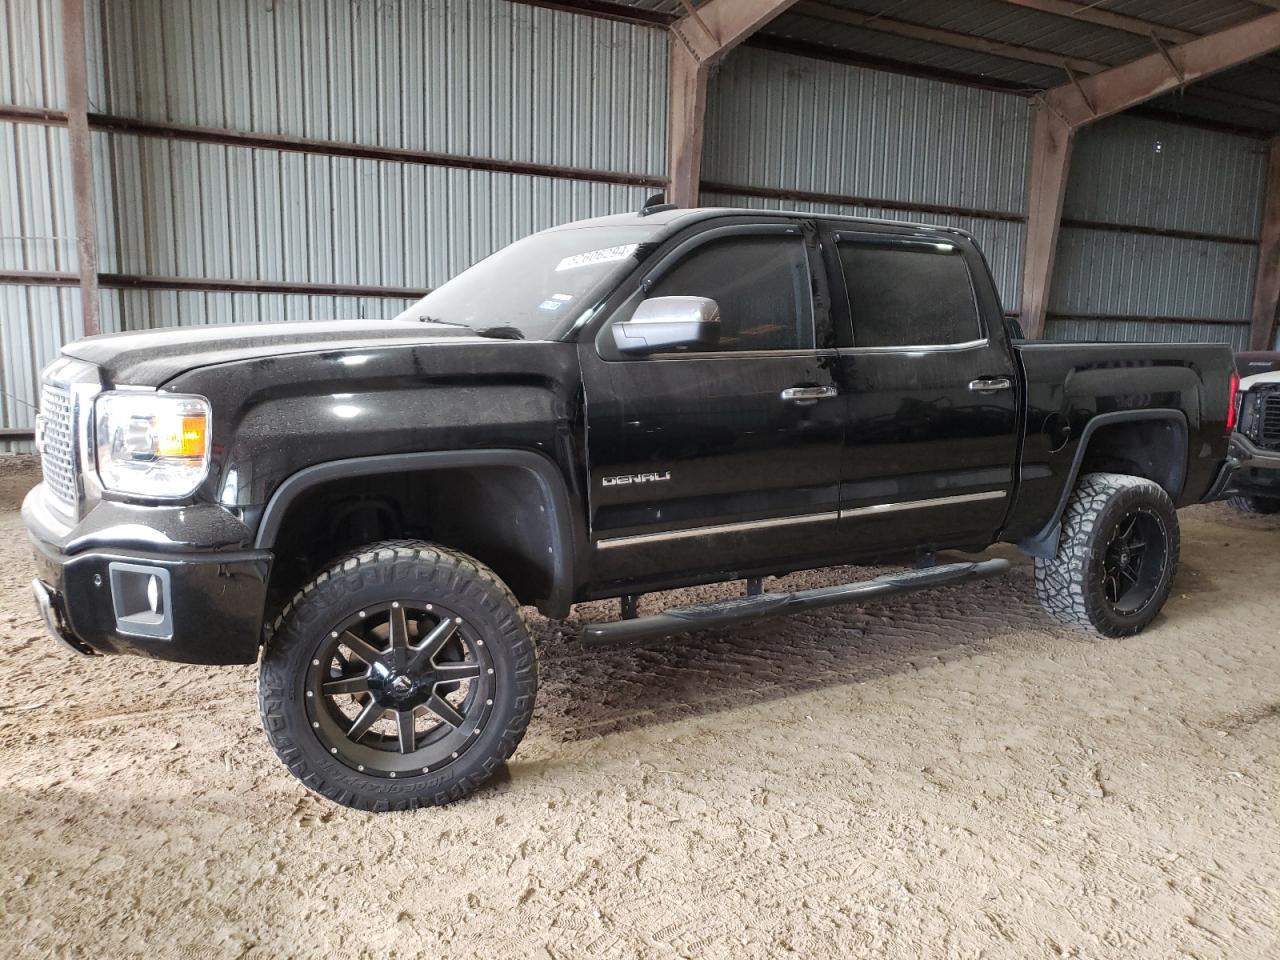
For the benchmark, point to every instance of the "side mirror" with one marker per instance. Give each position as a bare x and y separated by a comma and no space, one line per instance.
668,324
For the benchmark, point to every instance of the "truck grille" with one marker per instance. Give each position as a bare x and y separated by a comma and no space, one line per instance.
58,450
1268,432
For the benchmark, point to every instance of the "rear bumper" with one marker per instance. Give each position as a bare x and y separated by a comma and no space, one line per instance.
205,606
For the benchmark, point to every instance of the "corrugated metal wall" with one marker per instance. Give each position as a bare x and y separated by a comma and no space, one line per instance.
30,59
1160,219
37,232
1112,280
480,78
487,80
784,122
483,78
217,211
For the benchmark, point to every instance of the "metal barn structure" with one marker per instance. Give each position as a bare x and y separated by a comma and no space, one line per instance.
204,161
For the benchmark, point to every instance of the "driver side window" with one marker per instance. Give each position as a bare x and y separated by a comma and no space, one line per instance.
761,284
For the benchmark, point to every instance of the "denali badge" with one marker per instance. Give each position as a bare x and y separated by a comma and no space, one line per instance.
635,478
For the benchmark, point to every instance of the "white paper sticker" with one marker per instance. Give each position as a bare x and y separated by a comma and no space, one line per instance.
566,297
550,304
592,257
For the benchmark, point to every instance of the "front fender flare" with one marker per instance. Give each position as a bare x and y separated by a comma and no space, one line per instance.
548,477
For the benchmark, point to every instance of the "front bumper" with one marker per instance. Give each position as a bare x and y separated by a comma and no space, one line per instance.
212,601
1256,469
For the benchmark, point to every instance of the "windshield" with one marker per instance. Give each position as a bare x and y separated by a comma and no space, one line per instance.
533,289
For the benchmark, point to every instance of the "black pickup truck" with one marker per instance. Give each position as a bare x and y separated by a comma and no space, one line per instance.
615,406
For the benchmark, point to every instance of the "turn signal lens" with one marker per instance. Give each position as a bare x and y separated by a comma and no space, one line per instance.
185,437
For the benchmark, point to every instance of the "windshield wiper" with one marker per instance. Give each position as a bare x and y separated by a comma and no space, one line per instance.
493,333
501,333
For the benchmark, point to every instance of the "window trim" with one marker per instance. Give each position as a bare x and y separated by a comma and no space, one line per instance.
897,240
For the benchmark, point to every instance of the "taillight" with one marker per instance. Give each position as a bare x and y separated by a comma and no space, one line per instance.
1232,398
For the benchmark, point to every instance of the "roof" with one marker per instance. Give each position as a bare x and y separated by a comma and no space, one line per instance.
679,217
1029,45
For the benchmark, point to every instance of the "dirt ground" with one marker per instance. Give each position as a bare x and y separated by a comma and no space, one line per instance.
945,775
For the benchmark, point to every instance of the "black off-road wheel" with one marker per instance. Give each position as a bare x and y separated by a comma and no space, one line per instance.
402,676
1116,559
1255,505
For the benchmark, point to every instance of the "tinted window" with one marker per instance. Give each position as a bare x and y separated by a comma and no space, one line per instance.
761,285
904,295
535,287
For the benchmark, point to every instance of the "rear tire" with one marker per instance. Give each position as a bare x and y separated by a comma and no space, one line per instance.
1116,558
1255,505
402,676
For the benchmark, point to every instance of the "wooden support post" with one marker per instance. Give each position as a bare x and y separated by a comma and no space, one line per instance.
698,41
1046,188
73,58
686,113
1065,109
1266,288
1167,69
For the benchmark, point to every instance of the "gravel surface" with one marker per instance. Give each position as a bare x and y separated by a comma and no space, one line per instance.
942,775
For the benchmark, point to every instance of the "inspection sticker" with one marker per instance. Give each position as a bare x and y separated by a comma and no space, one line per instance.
551,305
592,257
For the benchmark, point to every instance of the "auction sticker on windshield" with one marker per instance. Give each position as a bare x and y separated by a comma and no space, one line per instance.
592,257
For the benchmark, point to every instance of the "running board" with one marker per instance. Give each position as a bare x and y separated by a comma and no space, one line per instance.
721,613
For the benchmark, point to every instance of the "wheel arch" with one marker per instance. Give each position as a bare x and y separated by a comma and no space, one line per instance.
1110,436
537,523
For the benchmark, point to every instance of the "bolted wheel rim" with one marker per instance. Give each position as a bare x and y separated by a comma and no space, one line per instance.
1134,562
400,689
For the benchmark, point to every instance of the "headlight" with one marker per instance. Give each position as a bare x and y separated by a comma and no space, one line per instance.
152,444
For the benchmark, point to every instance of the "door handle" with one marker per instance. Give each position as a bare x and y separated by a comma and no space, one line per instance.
990,384
807,394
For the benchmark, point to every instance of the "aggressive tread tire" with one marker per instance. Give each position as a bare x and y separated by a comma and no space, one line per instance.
396,569
1069,585
1255,505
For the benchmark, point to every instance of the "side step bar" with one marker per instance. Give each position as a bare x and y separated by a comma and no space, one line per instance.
720,613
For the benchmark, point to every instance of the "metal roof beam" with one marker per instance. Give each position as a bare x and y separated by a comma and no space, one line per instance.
1169,68
1105,18
946,38
700,39
1060,112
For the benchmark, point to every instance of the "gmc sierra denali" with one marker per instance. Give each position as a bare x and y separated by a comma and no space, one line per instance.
620,405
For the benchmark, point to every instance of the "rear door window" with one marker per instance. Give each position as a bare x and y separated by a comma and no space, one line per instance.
908,294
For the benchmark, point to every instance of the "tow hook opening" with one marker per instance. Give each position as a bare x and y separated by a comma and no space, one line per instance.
140,595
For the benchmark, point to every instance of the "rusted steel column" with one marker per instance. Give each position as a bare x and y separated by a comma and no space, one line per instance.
698,40
1170,68
1064,109
1046,188
1266,287
73,59
686,116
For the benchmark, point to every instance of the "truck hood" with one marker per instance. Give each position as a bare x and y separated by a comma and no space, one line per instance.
150,358
1258,379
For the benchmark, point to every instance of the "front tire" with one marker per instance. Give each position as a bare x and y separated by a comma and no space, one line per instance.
1116,558
402,676
1255,505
